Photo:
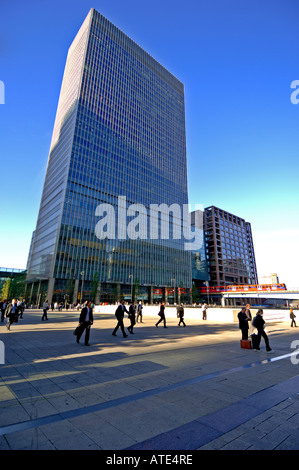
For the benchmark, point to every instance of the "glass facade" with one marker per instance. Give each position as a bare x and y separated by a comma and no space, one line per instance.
198,257
119,132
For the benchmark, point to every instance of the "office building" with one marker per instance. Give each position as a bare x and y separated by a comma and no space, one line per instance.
119,135
229,248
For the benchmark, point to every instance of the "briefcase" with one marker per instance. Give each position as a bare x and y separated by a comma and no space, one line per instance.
77,330
245,343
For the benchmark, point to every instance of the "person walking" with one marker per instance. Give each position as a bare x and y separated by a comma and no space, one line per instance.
3,306
204,311
292,317
46,307
119,313
249,316
132,317
259,323
181,315
243,323
22,308
12,313
162,316
139,312
85,322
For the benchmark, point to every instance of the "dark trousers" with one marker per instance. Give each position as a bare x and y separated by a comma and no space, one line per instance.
132,320
120,324
44,317
182,321
244,330
2,315
262,333
84,326
162,319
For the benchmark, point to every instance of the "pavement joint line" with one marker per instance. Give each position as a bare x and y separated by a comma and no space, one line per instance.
34,423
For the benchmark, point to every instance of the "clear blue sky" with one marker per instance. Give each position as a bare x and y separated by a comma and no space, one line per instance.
236,59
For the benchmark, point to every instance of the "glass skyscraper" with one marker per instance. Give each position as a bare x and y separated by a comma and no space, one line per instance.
119,136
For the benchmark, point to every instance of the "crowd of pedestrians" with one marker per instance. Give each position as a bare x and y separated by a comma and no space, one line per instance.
12,310
253,328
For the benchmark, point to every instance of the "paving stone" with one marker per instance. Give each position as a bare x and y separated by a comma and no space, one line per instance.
112,395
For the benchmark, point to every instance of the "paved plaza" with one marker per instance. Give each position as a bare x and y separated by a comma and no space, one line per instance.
180,388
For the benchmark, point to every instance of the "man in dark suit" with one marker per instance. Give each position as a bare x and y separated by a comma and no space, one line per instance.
119,313
243,323
3,308
132,317
12,313
85,322
259,323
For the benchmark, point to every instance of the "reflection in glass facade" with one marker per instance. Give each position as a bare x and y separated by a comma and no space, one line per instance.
198,256
119,131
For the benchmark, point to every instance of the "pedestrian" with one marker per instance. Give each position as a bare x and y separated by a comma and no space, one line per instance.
46,307
12,313
243,323
132,316
119,313
139,312
204,311
23,306
259,323
85,322
3,306
181,315
162,316
249,316
292,317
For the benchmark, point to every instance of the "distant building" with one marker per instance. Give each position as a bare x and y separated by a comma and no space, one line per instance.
229,248
271,279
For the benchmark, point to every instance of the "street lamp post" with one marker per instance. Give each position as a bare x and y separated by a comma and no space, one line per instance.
131,276
82,274
173,290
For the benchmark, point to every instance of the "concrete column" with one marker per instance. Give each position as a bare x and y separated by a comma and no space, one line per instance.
150,293
98,294
164,294
118,292
37,295
51,283
76,289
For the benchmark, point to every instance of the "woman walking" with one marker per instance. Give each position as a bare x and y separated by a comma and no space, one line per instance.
292,317
46,307
259,323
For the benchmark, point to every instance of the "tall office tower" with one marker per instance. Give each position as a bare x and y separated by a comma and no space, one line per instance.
229,248
119,140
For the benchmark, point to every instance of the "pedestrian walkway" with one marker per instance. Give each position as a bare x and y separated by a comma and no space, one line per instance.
180,388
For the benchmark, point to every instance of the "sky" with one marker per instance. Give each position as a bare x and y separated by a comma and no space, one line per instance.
236,59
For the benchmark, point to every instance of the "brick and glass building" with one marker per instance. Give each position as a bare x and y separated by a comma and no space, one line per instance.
229,248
